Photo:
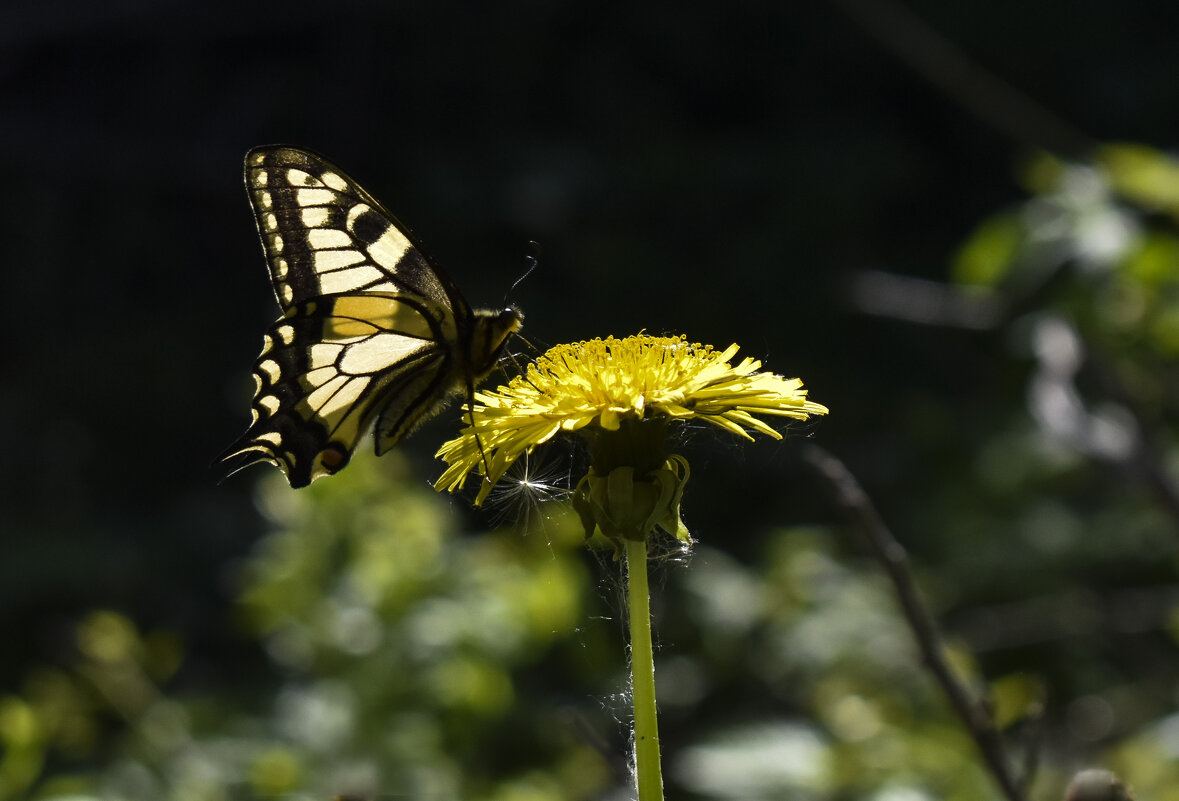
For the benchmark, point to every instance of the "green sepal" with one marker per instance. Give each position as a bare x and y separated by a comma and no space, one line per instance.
625,507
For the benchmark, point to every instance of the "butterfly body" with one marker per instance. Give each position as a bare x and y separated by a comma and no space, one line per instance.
373,332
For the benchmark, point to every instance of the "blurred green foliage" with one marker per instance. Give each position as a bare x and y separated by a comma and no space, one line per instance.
410,658
398,648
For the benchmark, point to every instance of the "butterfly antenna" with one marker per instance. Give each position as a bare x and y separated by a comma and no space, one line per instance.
527,342
532,259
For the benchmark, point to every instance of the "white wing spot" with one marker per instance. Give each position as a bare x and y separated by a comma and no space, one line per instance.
327,260
260,178
388,250
269,404
316,399
288,294
324,238
286,333
378,352
281,268
348,280
271,222
264,199
315,197
314,378
334,181
276,243
341,393
315,216
300,178
271,369
324,355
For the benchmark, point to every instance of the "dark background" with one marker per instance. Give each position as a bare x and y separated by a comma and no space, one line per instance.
700,168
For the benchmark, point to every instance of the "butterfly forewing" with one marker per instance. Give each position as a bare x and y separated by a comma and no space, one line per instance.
372,329
324,234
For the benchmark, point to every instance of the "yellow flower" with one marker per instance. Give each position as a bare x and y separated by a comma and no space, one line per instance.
608,385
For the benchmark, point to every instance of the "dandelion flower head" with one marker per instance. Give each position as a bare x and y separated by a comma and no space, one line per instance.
601,384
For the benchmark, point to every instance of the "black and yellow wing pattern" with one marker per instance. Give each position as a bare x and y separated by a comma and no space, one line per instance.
372,330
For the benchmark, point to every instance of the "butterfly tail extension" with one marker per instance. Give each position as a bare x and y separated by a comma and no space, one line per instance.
285,442
246,453
311,403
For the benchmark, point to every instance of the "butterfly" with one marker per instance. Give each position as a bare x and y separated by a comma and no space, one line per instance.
373,334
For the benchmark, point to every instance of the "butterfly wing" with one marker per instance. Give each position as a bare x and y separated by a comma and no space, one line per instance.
366,314
328,367
372,329
323,234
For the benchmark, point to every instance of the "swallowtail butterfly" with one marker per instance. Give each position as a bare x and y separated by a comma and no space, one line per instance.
372,333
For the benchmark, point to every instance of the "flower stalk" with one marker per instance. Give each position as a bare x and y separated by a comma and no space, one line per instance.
620,397
648,773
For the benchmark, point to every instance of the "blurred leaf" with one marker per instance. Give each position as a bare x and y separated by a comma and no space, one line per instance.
988,255
1143,174
1015,697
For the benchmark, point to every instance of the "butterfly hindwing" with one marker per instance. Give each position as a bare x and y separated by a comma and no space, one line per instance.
314,402
372,330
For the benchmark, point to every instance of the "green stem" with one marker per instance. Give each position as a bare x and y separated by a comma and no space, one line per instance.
648,775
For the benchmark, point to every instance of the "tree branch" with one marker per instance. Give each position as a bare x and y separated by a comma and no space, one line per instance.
974,714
